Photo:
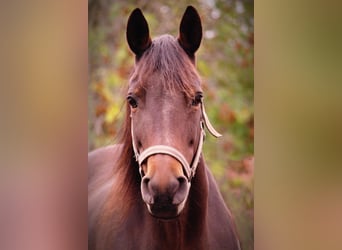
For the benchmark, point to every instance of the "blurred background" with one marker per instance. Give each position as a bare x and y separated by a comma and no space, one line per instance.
225,62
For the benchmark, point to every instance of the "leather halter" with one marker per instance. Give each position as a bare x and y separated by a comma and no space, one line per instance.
189,171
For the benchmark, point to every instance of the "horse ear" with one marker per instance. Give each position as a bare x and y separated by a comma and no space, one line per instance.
137,33
190,31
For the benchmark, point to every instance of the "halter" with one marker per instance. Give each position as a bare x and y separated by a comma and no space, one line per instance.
164,149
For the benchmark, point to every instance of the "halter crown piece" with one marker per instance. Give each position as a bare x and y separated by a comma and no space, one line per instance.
164,149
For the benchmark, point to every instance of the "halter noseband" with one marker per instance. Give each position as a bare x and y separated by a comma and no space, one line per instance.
163,149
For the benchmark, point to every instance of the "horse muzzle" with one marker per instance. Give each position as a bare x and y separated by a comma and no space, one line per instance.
164,187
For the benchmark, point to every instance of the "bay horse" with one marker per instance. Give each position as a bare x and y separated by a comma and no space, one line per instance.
154,190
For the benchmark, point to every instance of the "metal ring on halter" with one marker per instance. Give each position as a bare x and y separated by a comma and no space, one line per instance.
189,171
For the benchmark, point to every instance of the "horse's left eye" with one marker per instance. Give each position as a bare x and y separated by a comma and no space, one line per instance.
197,100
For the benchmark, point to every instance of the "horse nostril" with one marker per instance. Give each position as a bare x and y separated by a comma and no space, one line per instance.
182,190
146,180
144,184
181,180
182,184
148,198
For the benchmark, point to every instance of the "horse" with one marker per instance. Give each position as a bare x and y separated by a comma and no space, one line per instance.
153,190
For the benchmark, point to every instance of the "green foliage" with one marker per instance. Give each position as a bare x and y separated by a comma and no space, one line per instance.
225,61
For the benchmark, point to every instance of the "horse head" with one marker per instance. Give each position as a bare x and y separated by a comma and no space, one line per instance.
167,111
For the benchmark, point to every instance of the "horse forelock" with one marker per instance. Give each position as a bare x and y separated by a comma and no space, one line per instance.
166,59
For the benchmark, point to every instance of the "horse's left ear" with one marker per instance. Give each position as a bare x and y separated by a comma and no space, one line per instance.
190,31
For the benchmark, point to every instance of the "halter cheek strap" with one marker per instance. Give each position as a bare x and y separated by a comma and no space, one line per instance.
208,124
189,171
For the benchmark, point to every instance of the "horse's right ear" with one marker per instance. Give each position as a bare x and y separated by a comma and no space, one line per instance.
137,33
190,31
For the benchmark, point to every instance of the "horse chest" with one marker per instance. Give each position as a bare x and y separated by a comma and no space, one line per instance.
148,233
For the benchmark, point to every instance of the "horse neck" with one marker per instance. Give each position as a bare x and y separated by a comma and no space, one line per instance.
195,212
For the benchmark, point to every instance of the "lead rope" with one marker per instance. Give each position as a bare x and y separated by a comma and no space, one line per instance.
163,149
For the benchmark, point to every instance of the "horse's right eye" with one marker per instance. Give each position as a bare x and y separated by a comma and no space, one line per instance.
132,102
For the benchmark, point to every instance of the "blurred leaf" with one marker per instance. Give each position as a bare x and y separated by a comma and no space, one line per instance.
111,113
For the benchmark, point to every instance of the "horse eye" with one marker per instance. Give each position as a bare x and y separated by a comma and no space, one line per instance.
132,102
197,100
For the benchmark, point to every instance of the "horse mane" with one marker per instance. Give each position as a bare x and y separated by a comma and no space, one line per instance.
124,191
177,72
